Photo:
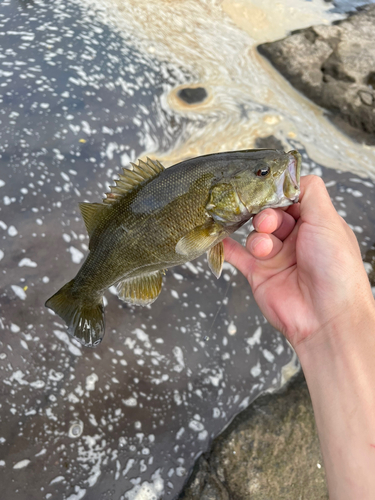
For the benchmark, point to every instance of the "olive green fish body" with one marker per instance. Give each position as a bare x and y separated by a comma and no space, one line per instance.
156,218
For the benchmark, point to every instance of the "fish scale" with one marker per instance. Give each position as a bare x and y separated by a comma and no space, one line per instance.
156,218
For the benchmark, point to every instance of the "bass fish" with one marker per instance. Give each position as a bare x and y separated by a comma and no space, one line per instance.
155,218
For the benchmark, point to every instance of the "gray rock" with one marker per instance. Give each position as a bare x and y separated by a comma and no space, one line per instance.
370,259
270,142
271,450
334,66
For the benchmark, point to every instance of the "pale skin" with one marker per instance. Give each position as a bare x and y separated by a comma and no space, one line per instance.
305,269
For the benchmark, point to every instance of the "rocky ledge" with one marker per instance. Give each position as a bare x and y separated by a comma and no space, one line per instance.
271,450
335,67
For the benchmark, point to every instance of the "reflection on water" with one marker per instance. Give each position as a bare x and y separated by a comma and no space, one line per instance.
84,92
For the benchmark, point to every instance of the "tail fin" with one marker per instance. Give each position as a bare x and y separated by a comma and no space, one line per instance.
85,320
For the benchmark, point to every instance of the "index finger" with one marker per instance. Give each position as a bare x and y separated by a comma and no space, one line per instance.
279,222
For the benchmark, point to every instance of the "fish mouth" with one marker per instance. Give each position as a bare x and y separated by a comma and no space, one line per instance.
291,184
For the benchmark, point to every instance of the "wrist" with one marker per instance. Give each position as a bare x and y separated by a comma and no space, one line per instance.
338,362
346,335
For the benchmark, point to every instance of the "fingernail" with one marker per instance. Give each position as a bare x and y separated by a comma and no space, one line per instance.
263,250
255,243
262,218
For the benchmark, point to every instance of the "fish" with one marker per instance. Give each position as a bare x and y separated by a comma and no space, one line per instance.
155,218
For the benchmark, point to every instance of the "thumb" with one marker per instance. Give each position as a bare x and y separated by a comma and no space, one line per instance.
316,206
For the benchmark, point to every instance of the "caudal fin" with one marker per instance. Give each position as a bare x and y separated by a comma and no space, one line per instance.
85,320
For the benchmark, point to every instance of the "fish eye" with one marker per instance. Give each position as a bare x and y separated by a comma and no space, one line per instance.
263,171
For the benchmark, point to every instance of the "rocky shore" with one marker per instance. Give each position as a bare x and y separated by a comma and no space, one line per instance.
335,67
271,450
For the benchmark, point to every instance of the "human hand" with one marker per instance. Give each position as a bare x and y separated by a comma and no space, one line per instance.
304,265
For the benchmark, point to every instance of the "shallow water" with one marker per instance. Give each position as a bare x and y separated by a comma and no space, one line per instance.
247,98
84,92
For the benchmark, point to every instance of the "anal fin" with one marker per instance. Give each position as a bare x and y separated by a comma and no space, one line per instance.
215,257
141,290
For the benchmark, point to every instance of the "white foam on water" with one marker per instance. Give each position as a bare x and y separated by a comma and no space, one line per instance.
20,292
12,231
232,329
130,402
27,262
14,328
22,464
255,338
178,354
256,370
268,355
146,490
65,338
79,493
57,479
76,254
91,381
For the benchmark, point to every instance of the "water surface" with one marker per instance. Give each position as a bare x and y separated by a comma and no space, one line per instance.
84,91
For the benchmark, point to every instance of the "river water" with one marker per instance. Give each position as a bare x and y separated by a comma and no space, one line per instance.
87,87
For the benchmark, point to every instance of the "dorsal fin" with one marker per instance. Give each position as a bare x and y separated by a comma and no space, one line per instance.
129,179
90,214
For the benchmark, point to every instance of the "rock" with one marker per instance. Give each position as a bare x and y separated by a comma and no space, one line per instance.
270,450
192,95
369,260
269,142
334,66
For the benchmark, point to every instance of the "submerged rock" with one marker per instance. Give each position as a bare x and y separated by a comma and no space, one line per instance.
271,450
192,95
334,66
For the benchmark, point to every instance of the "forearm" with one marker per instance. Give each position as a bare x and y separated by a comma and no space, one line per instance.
339,365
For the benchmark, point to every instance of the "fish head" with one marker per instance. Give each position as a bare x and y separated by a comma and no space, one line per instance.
270,181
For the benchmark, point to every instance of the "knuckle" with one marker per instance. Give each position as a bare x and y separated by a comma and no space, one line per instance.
316,181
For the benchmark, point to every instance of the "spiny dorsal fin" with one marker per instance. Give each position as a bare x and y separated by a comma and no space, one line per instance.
129,179
90,213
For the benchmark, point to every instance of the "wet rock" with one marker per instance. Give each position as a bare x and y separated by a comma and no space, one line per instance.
334,66
369,261
269,142
192,95
271,450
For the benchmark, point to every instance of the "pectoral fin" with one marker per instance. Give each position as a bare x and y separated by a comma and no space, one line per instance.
142,290
199,239
215,257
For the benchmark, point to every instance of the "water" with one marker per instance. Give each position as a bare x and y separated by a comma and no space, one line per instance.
83,92
247,98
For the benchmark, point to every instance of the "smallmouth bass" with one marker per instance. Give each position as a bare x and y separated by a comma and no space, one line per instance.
156,218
